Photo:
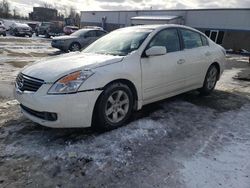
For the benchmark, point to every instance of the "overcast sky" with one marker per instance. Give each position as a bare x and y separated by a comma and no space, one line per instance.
25,6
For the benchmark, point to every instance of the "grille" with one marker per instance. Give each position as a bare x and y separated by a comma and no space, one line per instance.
27,83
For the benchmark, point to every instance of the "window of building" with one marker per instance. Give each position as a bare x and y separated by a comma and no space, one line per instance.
191,39
220,37
168,38
207,33
215,35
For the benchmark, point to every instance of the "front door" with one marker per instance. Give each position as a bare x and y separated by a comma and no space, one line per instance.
164,74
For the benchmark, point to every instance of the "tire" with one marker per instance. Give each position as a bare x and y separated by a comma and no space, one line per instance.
75,47
47,35
37,34
210,80
14,32
113,108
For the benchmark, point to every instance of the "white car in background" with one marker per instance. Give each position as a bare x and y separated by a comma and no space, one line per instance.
21,29
2,29
118,74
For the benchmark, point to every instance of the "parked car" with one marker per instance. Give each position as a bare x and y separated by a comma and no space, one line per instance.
117,74
42,28
2,29
33,26
20,29
70,29
78,40
49,29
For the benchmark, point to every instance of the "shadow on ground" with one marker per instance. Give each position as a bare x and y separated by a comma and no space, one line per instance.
219,101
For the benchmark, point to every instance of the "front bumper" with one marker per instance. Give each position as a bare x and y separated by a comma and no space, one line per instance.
72,110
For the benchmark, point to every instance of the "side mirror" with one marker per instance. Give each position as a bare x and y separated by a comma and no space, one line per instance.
156,51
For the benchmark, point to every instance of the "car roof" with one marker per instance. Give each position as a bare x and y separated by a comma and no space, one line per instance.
158,27
91,29
20,24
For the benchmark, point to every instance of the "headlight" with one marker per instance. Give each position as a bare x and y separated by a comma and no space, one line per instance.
70,83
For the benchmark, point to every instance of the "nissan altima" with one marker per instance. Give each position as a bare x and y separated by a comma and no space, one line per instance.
118,74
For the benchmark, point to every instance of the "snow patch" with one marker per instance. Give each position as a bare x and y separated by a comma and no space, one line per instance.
229,167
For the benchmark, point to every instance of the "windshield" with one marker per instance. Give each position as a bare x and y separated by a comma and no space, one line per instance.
79,33
121,42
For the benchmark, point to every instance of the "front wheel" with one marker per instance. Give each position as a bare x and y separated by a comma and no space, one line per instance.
75,47
114,107
210,80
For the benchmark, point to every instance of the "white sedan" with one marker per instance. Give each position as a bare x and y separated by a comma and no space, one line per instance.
118,74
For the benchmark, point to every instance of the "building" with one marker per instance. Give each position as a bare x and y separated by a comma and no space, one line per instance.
43,14
228,27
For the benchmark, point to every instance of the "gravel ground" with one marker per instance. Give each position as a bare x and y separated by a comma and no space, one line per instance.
186,141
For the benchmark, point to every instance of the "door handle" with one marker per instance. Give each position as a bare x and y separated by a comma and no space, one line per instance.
181,61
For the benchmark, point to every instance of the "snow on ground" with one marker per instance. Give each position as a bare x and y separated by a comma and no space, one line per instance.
17,52
22,50
228,167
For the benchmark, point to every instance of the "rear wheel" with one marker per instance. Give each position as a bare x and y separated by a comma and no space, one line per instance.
114,107
75,47
210,80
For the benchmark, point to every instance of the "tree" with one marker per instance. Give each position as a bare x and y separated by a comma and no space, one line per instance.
75,16
4,9
47,5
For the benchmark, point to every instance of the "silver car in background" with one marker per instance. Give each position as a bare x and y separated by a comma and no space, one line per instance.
21,29
77,40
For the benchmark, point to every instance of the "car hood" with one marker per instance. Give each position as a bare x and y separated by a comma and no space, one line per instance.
65,37
52,69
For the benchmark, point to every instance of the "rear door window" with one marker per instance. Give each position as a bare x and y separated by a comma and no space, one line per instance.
191,39
90,34
100,33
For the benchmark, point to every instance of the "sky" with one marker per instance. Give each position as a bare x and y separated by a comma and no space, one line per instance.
25,6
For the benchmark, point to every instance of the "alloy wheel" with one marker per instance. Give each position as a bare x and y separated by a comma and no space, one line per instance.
75,47
212,78
117,106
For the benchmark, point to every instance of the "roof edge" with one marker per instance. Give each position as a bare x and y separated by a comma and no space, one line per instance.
161,10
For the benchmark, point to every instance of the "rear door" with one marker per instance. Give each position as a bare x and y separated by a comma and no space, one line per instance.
195,57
